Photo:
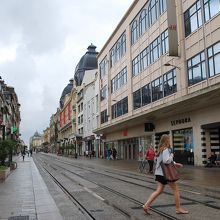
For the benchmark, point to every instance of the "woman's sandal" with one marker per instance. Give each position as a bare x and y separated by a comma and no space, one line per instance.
182,211
146,210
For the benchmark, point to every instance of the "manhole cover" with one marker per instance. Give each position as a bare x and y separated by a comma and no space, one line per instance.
26,217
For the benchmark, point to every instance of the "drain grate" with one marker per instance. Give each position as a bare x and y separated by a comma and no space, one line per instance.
26,217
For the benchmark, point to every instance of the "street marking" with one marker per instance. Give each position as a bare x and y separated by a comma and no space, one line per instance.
93,193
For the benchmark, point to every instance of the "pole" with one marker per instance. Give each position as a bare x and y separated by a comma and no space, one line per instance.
3,132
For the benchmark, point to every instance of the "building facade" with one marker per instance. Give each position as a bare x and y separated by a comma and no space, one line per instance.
9,113
90,101
159,73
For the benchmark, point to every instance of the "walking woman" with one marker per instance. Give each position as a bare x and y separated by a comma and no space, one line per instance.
164,154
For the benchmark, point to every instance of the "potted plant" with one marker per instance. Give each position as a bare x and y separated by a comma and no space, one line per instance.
6,150
4,172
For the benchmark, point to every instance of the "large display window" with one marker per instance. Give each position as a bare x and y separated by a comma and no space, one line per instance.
183,146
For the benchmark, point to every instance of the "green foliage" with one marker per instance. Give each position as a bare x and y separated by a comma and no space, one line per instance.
3,168
6,147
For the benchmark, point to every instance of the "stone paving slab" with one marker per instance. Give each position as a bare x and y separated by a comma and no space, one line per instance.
24,193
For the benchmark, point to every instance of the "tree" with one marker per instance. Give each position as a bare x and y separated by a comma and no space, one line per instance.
6,149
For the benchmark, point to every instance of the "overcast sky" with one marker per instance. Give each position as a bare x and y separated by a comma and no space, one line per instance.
42,41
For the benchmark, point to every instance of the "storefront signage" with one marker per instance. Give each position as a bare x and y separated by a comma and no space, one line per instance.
172,28
180,121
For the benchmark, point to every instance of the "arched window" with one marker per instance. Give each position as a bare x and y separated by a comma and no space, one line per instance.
134,32
143,24
123,44
153,11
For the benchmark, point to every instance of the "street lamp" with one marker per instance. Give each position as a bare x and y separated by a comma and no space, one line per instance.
169,64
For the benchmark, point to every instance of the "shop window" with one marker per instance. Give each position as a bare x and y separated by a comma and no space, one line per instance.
183,146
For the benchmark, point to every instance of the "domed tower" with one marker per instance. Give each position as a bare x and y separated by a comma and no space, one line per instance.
66,91
87,62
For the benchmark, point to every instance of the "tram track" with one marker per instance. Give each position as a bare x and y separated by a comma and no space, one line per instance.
120,209
154,209
207,203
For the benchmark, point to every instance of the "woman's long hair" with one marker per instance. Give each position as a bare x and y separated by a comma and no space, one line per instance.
164,143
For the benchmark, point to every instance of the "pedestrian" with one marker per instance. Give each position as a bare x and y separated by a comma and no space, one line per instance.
114,153
164,154
23,154
31,151
149,156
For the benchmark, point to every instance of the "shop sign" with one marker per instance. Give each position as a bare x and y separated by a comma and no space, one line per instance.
180,121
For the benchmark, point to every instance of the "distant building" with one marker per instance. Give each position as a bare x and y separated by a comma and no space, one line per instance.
36,142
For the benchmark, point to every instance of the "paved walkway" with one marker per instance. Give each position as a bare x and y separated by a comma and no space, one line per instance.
24,193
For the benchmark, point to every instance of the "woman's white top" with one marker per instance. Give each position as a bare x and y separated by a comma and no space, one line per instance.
166,157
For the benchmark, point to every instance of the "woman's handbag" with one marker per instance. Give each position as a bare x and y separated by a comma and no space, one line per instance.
170,172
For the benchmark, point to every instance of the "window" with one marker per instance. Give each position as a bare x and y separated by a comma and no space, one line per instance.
104,116
155,49
123,44
196,69
120,108
157,89
134,32
163,6
103,93
119,80
103,67
153,11
192,18
142,97
143,22
214,59
117,52
169,82
146,95
136,66
164,42
137,99
211,7
144,59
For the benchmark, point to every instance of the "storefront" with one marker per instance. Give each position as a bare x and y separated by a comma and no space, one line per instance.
183,146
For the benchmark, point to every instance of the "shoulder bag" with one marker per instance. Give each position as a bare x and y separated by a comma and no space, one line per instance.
170,172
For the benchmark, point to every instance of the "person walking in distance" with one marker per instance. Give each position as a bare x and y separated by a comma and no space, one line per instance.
23,154
150,154
164,154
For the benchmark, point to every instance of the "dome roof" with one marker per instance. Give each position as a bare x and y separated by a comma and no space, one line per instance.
36,134
87,62
66,91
